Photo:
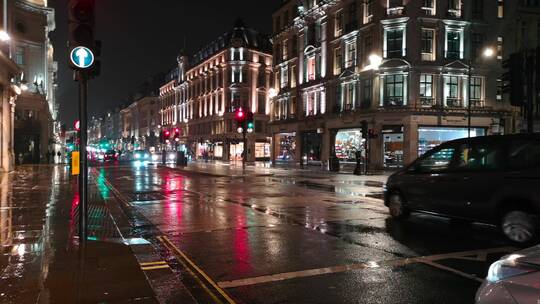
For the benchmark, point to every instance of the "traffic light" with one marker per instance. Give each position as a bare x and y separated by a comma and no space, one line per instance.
250,122
364,129
240,116
513,83
81,19
177,135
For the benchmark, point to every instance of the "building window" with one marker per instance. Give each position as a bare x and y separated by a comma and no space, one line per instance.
261,104
311,68
478,9
500,8
352,20
338,24
285,50
367,89
337,61
394,43
395,7
499,96
428,44
452,91
426,85
429,7
368,11
294,46
284,81
454,8
368,46
350,55
394,86
19,55
348,96
499,48
476,91
477,41
453,45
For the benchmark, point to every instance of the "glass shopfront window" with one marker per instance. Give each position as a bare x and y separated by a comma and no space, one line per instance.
348,141
430,137
285,147
312,146
236,151
393,150
262,151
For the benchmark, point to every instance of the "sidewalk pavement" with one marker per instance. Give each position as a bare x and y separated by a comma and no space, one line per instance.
40,258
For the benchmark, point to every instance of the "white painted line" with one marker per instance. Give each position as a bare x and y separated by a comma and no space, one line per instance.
429,260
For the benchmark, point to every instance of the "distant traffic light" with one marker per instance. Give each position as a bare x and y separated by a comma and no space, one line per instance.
177,135
513,83
250,122
240,116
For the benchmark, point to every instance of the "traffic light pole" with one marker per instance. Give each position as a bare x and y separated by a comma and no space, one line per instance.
244,157
83,176
531,79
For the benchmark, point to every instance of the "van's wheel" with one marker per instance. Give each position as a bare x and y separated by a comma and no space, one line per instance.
518,226
396,206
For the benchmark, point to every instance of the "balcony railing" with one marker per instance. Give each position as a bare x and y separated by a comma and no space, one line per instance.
427,102
393,102
477,103
453,102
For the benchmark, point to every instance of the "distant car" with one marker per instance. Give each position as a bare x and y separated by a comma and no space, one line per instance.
513,279
141,155
491,179
110,155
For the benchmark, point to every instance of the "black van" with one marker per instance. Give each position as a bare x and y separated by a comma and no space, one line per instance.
491,179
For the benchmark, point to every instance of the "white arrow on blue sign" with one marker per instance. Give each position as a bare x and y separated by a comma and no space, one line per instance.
82,57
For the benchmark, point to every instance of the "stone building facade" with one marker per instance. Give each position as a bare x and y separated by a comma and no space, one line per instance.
401,67
205,89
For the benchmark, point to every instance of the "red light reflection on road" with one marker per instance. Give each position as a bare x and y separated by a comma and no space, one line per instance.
241,243
174,194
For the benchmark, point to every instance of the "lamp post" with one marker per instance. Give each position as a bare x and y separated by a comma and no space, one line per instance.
487,53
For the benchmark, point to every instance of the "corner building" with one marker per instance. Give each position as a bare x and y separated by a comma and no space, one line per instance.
407,68
204,91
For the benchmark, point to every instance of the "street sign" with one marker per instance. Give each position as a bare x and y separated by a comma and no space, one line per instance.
75,158
82,57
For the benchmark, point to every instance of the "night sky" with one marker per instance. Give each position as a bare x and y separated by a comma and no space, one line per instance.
143,38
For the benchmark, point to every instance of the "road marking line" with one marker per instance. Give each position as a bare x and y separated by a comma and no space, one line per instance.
452,270
429,260
153,263
199,270
155,267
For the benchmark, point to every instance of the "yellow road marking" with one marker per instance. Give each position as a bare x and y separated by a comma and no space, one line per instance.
153,263
199,270
154,267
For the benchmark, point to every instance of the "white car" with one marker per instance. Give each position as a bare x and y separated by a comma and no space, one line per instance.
514,278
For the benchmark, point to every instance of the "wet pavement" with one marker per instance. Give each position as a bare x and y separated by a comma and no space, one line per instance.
294,236
41,260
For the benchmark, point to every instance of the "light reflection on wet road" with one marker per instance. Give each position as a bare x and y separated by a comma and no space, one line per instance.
237,228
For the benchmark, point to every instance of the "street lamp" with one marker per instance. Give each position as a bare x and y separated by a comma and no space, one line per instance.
4,36
486,53
375,62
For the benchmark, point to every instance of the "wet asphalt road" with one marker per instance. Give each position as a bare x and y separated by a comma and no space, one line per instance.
295,238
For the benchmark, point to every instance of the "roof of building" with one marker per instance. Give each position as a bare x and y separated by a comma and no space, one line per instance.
240,34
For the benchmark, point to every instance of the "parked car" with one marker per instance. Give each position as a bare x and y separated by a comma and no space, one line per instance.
141,155
513,279
491,179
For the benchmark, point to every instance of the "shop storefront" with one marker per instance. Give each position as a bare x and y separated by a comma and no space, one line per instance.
311,147
236,150
262,151
285,146
347,143
430,137
392,146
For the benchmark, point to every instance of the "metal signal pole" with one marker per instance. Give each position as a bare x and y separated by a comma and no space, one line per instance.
83,176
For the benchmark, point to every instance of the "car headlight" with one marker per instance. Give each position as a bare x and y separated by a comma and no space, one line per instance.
508,267
172,156
155,157
146,156
137,156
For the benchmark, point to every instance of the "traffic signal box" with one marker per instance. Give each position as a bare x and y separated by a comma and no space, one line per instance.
513,79
81,19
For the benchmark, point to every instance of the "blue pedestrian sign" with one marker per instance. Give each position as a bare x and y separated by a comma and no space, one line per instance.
82,57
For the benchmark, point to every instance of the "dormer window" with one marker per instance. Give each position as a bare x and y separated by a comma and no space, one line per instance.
429,7
454,8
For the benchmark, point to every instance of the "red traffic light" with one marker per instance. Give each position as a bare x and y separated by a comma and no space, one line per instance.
77,125
240,116
167,133
177,131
